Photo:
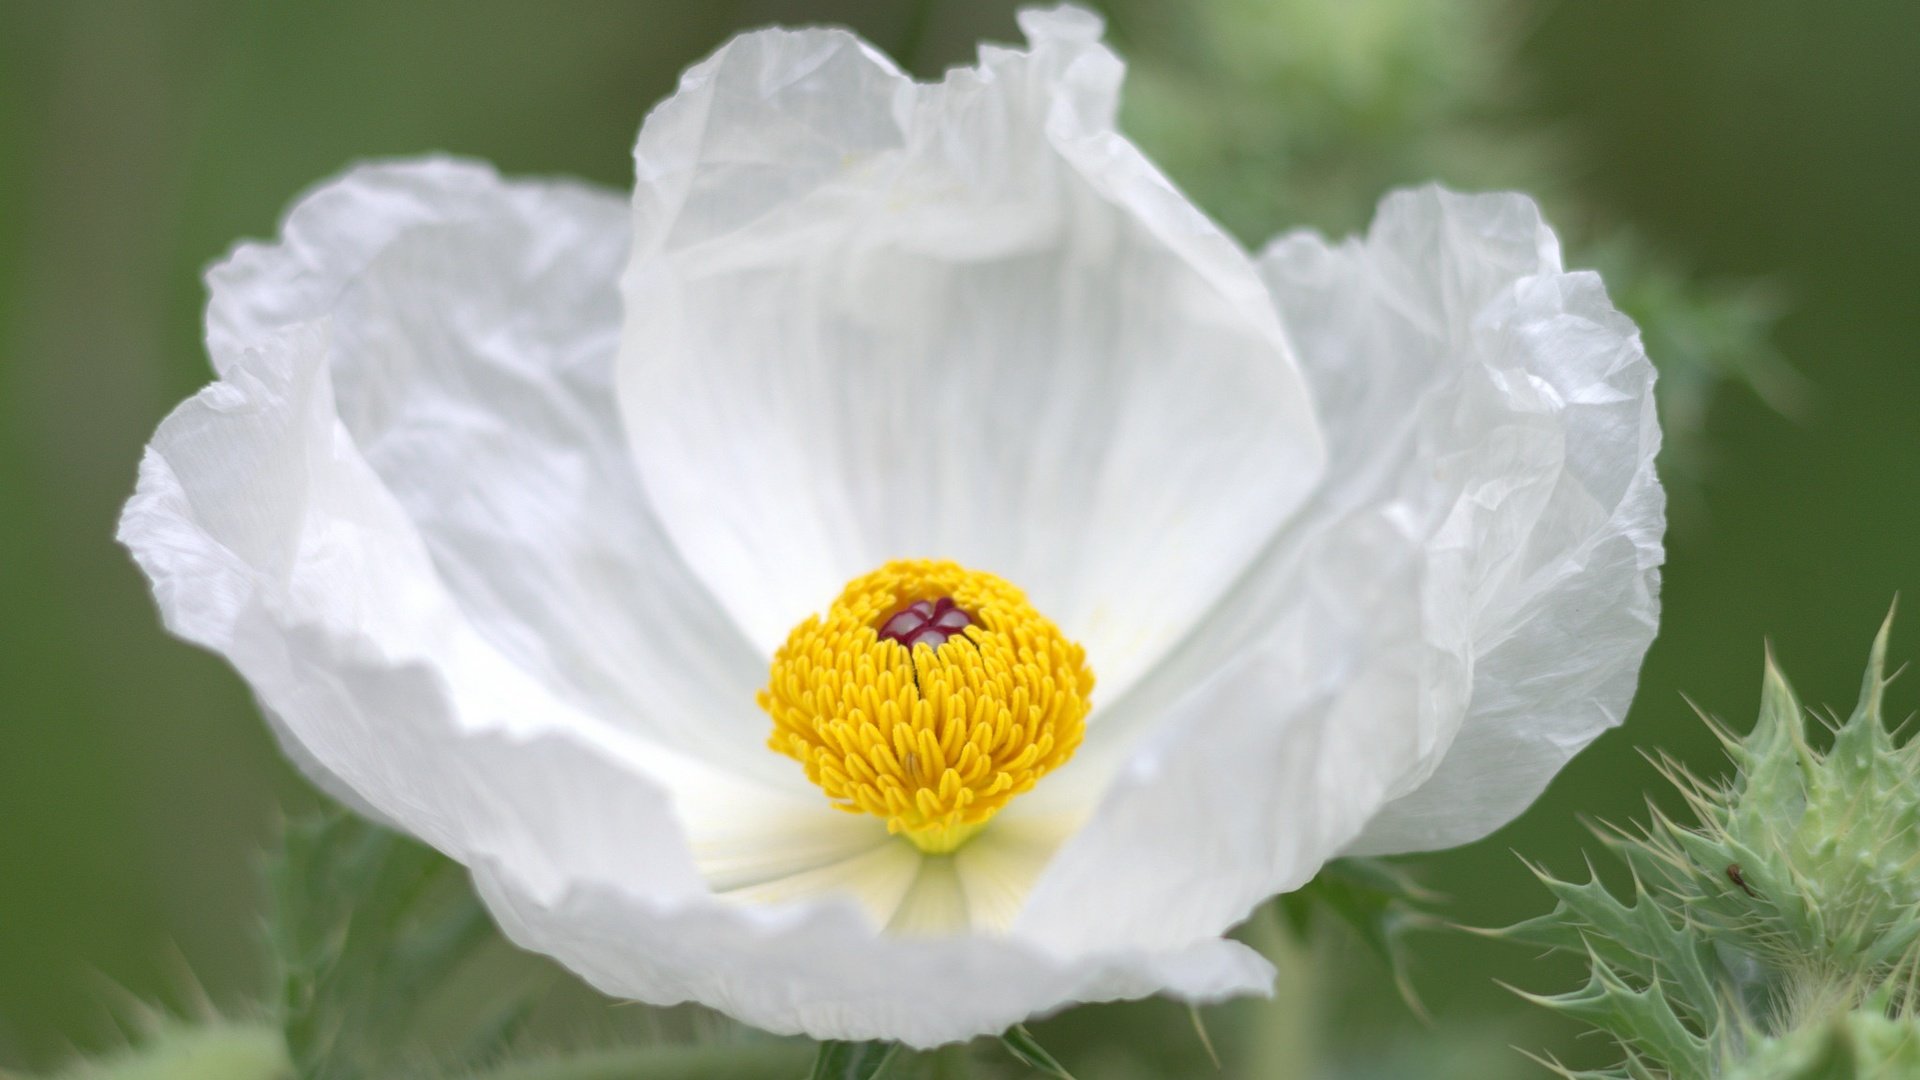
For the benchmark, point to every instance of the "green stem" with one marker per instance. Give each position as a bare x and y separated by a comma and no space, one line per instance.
762,1061
1285,1045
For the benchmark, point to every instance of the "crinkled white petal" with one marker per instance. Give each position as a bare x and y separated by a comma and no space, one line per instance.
962,320
1462,606
271,537
473,324
1555,567
270,540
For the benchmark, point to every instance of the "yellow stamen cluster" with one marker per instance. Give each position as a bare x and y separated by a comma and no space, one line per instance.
934,740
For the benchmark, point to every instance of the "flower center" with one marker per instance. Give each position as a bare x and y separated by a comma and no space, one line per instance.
929,695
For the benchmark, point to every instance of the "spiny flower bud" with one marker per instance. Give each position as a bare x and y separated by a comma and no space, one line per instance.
1777,935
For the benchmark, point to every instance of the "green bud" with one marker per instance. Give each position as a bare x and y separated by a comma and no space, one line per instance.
1778,935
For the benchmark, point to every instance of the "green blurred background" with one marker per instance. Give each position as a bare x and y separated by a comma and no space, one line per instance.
1768,140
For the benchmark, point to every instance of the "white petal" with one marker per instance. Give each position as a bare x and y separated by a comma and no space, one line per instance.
1246,784
762,851
1559,583
878,878
822,971
744,846
270,538
870,319
473,324
1462,606
936,904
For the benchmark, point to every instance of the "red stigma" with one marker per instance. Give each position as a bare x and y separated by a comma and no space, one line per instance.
928,622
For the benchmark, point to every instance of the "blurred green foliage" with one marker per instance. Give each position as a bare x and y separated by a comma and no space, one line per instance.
1284,114
366,928
1278,114
1768,141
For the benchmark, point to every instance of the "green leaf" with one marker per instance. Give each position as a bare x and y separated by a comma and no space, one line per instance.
1021,1044
853,1060
365,925
1379,901
1642,1019
1641,939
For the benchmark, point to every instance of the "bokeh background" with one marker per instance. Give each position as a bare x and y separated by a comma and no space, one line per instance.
1691,149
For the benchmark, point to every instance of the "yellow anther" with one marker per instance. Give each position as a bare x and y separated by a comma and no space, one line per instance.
929,695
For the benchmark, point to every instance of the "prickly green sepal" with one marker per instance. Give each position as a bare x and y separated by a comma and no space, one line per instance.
1778,933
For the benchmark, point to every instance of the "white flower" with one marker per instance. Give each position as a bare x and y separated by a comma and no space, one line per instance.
1360,540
